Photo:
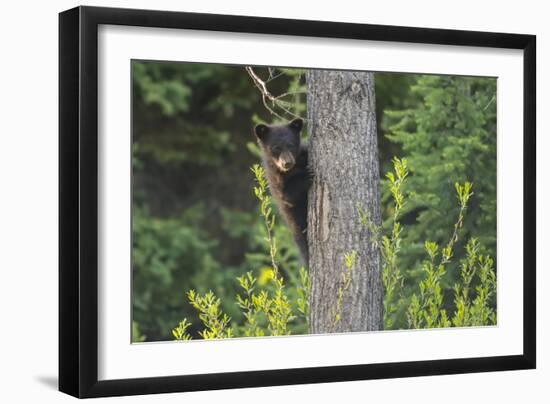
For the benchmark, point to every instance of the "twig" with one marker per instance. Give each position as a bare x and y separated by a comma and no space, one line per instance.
273,77
289,93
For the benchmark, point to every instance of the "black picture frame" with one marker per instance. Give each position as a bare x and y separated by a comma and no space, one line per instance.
78,200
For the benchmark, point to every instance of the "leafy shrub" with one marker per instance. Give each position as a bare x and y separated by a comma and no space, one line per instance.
425,307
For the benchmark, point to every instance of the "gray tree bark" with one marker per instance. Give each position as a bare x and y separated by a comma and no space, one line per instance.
343,156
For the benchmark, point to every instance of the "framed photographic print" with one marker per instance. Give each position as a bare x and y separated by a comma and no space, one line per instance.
251,201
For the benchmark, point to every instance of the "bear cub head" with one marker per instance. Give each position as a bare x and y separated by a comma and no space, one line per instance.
280,143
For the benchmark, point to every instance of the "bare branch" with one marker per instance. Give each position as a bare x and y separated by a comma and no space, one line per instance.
260,84
267,96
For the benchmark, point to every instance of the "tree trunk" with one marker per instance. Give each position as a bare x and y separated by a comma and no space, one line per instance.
343,156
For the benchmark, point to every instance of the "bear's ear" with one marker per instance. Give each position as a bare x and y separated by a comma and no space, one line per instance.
297,124
261,131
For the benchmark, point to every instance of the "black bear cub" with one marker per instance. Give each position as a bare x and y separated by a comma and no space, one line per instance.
286,167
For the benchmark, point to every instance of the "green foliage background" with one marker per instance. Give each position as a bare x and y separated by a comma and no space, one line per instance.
196,223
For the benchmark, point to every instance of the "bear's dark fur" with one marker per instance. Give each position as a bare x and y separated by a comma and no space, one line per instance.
286,167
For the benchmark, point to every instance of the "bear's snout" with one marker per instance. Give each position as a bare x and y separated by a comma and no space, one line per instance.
286,161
